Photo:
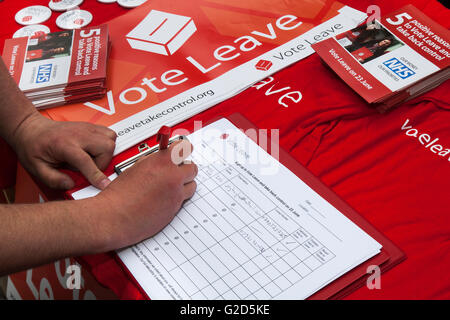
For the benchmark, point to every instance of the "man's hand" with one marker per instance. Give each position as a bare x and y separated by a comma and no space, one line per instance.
44,145
134,207
146,197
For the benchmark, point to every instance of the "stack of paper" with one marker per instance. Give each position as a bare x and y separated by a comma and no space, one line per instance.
392,60
61,67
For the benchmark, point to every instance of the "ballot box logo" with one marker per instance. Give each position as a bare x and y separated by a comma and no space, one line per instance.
38,34
78,21
263,65
161,32
27,18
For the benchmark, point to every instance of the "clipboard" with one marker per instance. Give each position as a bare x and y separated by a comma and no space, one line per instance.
144,150
389,256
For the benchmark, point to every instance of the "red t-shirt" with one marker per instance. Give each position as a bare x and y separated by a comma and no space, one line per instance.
379,164
382,165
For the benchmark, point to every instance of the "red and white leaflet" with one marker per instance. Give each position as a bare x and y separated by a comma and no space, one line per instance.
378,60
57,59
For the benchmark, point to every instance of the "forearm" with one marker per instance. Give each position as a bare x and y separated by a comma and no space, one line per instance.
36,234
14,106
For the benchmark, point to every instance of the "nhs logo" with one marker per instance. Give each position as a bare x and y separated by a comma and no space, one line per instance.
398,68
44,72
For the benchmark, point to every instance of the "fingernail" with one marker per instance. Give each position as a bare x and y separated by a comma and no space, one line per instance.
104,183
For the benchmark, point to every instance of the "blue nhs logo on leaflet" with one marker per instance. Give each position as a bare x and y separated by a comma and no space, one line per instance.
43,74
399,68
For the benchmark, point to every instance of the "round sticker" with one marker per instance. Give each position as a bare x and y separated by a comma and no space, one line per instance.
74,19
63,5
131,3
32,31
106,1
33,15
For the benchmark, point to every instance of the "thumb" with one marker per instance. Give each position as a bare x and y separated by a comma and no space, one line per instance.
86,165
53,177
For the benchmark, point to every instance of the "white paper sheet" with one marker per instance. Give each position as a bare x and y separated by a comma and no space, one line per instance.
253,230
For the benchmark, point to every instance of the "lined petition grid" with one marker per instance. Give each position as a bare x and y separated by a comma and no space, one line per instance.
230,241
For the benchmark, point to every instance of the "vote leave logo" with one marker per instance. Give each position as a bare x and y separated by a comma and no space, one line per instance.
161,32
263,65
78,21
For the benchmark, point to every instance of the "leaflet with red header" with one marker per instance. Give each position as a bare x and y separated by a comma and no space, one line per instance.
60,63
392,60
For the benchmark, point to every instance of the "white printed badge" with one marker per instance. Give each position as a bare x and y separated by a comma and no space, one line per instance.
74,19
64,5
34,30
131,3
33,15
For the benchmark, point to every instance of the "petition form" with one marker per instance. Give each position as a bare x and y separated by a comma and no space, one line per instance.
253,230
